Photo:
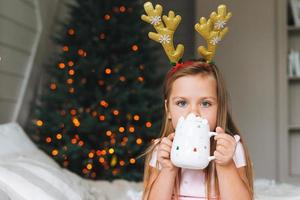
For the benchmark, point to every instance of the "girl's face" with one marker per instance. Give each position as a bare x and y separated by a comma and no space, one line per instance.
193,94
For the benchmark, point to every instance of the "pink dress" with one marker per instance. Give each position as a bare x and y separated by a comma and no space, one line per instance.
192,183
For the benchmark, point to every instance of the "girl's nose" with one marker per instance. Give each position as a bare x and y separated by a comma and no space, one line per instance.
197,114
196,111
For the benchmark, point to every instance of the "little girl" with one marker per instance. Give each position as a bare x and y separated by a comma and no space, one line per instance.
196,87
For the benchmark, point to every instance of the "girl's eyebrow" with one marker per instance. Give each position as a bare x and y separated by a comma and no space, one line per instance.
208,97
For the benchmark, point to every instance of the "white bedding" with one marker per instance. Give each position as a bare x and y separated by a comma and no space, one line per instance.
26,173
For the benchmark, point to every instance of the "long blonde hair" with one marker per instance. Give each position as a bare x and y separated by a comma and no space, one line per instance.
224,120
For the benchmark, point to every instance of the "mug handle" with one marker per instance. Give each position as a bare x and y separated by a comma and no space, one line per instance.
236,137
210,158
212,134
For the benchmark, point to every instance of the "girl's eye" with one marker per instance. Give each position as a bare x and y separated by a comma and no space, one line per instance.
181,103
205,104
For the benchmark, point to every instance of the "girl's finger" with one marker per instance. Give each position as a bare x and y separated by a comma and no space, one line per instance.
226,141
221,150
225,136
165,148
171,136
166,141
219,156
220,130
222,134
163,155
155,141
223,142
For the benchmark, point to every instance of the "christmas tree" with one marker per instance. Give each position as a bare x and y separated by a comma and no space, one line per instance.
100,105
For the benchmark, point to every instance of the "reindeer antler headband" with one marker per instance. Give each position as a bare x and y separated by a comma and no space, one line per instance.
212,30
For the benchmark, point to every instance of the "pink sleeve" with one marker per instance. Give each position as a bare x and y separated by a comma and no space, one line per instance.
239,156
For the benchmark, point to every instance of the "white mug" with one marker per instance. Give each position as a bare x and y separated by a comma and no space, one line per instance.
191,144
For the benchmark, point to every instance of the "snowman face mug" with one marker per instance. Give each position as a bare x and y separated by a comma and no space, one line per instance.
191,144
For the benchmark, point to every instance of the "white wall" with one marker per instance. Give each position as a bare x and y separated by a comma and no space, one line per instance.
25,46
51,11
18,34
246,57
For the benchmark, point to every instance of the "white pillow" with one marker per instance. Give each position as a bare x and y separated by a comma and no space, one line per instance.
14,143
14,140
22,162
28,179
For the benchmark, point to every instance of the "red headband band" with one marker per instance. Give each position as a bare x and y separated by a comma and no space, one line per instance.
183,65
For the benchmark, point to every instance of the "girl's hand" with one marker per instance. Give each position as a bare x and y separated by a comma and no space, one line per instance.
163,153
225,147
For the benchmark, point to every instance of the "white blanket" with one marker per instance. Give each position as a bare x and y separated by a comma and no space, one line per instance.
26,173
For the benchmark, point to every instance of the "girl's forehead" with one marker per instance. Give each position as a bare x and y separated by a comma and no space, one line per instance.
194,85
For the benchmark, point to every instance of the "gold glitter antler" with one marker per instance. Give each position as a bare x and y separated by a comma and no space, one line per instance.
165,31
212,30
